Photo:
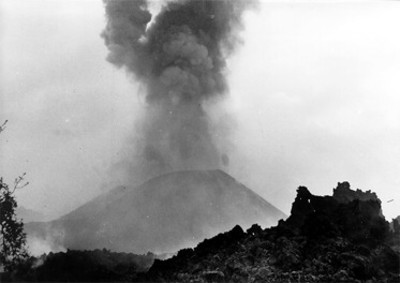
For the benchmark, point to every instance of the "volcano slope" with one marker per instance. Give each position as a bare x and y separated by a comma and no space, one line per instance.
162,215
339,238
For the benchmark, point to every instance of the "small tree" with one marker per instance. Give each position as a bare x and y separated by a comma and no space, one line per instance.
12,236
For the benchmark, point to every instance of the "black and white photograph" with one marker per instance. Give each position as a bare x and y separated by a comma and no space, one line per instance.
200,141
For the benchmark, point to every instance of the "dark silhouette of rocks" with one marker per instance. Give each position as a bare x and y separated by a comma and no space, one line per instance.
83,266
395,228
344,214
343,193
325,239
339,238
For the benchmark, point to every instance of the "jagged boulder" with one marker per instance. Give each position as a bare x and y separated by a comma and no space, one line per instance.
342,193
352,214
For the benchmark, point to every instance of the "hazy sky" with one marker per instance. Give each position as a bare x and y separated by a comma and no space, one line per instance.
314,100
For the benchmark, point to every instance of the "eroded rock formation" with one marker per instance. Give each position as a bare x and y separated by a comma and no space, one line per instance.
337,238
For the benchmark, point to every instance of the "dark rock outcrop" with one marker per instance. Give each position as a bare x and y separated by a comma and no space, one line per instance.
342,193
355,215
82,266
342,238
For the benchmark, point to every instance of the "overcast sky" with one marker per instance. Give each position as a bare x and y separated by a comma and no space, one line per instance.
314,100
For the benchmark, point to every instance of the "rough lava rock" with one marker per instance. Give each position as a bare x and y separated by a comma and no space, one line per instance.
339,238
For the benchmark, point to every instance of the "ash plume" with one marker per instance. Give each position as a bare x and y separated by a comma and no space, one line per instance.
179,57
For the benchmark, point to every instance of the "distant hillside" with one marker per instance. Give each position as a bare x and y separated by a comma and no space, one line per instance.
29,215
164,214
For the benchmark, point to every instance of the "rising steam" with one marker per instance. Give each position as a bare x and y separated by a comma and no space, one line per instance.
179,57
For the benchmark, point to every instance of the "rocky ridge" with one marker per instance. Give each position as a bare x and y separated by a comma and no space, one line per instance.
339,238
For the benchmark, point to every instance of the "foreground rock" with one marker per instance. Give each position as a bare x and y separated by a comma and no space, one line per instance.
81,266
337,238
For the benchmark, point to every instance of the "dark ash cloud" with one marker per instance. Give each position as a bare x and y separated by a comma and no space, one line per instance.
180,59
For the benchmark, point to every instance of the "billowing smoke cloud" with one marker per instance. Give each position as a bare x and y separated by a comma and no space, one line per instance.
179,57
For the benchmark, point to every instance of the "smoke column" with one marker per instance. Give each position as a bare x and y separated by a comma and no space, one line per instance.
179,58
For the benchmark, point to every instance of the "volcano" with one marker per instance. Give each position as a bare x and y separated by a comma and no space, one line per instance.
162,215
